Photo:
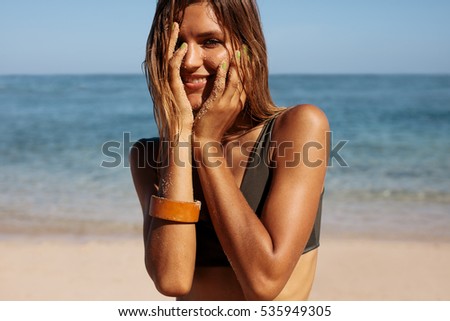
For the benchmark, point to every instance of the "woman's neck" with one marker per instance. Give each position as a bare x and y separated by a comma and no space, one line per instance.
243,124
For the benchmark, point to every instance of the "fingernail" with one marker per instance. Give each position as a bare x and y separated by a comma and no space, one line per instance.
238,55
245,49
183,45
173,25
224,65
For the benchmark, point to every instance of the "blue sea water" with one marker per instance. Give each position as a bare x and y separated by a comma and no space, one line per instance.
395,129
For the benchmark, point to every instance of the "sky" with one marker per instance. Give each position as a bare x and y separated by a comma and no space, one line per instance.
303,36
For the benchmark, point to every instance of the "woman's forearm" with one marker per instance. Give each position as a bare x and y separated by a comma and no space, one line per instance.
244,238
176,174
170,248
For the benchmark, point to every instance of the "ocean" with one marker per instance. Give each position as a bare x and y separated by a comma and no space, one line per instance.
65,139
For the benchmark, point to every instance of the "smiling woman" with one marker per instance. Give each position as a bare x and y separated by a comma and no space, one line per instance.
256,235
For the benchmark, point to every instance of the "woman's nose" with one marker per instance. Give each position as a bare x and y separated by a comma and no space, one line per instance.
193,58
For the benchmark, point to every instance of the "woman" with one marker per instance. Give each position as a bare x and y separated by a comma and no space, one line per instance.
257,234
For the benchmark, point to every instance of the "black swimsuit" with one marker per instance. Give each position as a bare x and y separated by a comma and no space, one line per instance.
255,188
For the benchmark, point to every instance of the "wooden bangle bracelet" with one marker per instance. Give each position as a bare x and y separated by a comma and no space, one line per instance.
177,211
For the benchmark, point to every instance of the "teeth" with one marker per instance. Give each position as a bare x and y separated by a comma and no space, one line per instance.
195,80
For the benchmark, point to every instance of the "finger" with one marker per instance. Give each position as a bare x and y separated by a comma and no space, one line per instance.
219,83
178,55
175,65
176,58
216,92
242,98
238,98
246,53
173,39
237,59
234,85
238,62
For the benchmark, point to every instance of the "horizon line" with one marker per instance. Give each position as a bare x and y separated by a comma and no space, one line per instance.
270,74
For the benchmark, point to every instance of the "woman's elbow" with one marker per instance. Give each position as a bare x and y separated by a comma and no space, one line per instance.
170,284
264,288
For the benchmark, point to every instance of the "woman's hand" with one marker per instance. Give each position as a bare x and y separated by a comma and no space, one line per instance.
175,82
219,112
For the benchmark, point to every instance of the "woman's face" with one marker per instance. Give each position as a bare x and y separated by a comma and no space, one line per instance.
208,46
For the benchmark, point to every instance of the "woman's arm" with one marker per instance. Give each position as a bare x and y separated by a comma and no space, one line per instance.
169,246
263,252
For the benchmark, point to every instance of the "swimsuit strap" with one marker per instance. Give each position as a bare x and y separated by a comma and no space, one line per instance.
257,172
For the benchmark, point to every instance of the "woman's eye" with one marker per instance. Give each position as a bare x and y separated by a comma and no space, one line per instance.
211,43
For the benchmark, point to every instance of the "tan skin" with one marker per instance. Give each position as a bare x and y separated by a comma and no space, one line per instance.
265,253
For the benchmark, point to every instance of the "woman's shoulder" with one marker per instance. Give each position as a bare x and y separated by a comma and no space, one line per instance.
303,112
301,120
144,141
143,159
144,153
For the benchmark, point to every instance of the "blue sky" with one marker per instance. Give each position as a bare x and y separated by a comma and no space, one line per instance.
303,36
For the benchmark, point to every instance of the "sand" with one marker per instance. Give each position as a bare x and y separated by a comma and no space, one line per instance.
367,269
105,269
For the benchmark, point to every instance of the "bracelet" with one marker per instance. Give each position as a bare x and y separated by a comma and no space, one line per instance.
178,211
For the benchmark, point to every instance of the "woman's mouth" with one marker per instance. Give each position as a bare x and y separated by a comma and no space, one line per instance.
194,83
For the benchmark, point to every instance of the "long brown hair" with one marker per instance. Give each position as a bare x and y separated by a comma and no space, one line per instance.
241,19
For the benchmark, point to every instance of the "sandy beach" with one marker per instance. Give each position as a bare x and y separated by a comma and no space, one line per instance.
88,268
70,221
